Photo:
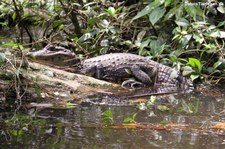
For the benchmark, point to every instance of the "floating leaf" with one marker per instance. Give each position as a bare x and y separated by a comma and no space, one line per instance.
107,113
130,119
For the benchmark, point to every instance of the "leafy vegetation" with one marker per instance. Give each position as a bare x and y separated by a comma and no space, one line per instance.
175,32
181,33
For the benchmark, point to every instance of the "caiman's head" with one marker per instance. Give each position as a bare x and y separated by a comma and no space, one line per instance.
54,55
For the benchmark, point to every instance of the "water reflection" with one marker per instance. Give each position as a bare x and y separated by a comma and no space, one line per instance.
81,127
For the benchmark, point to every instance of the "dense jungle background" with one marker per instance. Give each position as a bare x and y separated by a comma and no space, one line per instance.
186,34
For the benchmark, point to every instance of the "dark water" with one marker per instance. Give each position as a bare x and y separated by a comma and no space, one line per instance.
82,126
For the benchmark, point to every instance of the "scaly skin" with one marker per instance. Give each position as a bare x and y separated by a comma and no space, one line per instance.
117,67
121,66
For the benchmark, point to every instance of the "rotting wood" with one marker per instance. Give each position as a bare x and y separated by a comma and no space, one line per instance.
61,85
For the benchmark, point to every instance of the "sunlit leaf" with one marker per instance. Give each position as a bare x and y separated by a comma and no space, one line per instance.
195,63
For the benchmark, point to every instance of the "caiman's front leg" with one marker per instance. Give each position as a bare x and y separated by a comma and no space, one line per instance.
143,73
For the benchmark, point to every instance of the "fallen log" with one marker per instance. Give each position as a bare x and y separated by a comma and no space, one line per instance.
45,82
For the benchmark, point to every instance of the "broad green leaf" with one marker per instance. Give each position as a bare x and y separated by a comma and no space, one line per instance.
156,14
195,63
182,22
194,11
146,10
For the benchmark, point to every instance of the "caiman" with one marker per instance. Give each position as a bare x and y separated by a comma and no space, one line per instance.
118,67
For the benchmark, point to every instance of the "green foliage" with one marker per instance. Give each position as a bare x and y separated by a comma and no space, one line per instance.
172,32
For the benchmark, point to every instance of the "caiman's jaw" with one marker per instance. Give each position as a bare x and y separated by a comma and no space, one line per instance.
53,55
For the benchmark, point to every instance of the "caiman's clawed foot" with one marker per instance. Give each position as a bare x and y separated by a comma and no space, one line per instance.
132,84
